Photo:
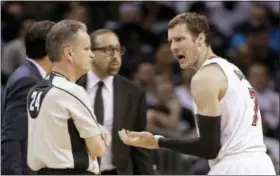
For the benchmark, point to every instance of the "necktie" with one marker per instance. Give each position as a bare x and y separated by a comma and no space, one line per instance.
99,109
98,104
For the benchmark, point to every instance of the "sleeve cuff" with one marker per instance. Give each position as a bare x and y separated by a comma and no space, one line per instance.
158,137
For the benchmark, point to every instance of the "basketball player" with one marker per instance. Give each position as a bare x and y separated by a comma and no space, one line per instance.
227,112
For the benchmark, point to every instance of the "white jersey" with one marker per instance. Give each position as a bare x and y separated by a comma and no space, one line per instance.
241,123
60,116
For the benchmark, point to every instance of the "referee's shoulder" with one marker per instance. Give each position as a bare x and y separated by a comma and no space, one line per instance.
129,85
70,88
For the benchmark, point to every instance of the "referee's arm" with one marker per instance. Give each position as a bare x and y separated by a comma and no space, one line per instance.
86,124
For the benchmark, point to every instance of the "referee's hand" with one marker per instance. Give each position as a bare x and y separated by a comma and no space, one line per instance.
106,136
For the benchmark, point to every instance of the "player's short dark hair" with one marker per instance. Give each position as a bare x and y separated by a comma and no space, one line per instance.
98,32
35,39
194,22
62,33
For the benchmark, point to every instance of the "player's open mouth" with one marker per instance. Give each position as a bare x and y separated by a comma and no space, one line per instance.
180,57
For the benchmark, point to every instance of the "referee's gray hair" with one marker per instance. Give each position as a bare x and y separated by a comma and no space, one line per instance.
62,33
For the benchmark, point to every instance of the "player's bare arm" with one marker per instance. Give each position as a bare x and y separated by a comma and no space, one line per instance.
206,91
208,86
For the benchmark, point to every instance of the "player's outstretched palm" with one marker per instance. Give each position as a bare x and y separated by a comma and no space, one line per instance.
139,139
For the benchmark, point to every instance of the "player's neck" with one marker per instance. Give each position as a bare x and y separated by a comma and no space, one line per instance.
206,53
68,72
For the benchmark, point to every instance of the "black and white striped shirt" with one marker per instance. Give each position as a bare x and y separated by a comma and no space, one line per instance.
60,116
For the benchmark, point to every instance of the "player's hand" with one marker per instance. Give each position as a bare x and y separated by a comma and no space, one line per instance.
106,136
139,139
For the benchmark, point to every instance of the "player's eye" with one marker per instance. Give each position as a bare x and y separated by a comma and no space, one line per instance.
179,39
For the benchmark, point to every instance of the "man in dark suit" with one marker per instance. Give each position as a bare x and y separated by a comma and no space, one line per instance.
117,104
14,114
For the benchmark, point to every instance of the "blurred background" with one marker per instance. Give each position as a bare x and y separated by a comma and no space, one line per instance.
245,33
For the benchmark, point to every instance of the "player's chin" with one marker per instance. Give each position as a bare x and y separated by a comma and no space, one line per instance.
184,65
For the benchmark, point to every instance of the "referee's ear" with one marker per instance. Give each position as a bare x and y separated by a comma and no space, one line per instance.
68,53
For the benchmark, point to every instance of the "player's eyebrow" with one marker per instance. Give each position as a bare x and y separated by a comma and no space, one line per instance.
175,38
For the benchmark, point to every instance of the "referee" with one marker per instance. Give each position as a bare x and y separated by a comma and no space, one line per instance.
63,135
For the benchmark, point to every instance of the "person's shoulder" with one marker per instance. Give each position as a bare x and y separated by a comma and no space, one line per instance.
21,74
211,72
128,84
22,71
209,79
69,87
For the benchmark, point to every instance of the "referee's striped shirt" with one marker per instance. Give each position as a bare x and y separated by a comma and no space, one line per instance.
60,115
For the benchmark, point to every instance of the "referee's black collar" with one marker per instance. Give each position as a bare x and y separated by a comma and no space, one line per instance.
54,73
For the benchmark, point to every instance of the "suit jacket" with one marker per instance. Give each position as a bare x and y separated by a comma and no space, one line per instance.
14,119
129,113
